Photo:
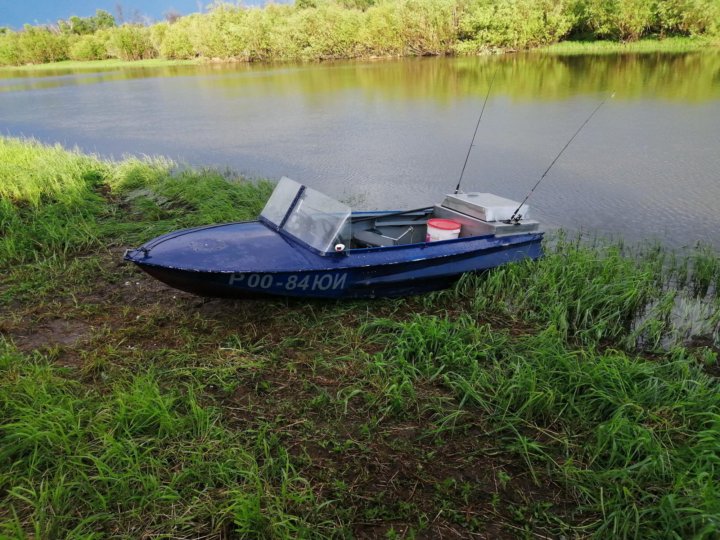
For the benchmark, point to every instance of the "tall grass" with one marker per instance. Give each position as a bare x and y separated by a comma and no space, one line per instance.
49,199
58,202
674,44
133,460
636,441
326,29
595,293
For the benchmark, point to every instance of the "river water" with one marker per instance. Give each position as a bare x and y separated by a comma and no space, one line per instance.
394,134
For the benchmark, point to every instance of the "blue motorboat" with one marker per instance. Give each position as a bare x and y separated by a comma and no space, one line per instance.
306,244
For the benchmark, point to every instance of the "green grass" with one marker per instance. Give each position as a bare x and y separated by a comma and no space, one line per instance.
567,397
59,202
647,45
634,440
100,65
134,457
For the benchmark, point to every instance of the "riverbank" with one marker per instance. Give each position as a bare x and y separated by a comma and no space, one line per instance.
327,30
98,65
643,46
564,397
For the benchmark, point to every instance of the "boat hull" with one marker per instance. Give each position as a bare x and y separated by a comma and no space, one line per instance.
366,273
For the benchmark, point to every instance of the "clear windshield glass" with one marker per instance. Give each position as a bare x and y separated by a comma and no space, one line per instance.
280,200
319,220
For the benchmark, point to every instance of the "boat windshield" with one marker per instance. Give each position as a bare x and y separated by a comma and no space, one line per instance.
308,215
281,200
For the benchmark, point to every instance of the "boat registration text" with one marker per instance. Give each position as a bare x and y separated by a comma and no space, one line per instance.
306,282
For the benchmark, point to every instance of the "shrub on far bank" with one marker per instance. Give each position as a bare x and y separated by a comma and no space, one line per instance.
131,42
689,17
39,45
322,33
515,24
381,34
267,31
9,49
175,43
428,27
89,47
624,20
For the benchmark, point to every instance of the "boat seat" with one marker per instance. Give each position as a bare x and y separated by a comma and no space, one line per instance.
370,238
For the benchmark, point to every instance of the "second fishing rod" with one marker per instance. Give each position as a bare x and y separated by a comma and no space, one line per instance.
516,216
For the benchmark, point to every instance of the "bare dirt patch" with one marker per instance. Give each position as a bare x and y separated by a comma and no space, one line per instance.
52,333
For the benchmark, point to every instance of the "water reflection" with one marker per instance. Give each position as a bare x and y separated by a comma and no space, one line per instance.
687,77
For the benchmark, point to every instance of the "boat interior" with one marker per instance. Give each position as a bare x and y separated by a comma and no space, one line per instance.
410,227
328,225
389,230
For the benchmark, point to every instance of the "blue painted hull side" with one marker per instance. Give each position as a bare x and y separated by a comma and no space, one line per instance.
250,260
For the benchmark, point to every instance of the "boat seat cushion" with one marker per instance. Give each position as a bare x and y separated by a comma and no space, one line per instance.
371,239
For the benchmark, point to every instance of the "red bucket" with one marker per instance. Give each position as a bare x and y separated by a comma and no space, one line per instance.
442,229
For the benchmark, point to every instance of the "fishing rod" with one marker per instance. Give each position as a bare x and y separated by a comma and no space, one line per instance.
472,142
515,218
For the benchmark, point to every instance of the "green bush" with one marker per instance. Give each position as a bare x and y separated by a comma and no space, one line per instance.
263,31
427,27
157,34
219,34
626,20
514,24
38,45
381,34
131,42
688,17
9,49
325,32
176,44
89,47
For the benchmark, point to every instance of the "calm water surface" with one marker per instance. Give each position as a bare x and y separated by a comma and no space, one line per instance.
394,134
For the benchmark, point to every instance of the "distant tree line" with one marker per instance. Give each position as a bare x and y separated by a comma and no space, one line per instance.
326,29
